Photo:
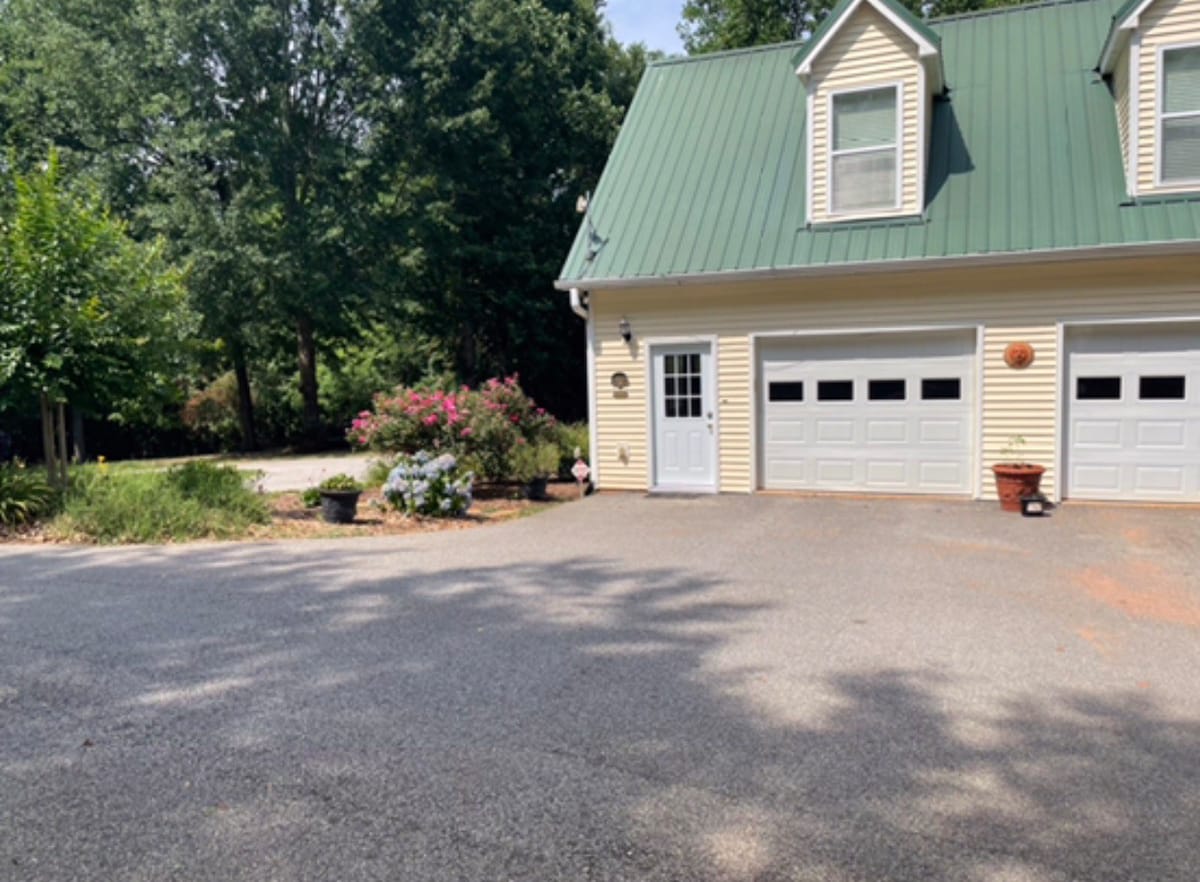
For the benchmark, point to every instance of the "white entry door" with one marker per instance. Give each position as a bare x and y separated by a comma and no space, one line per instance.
684,426
869,412
1133,413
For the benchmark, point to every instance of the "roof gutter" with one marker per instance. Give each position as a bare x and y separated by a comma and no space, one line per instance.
578,306
1059,255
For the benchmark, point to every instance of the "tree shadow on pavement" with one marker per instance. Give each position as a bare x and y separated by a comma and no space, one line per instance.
246,713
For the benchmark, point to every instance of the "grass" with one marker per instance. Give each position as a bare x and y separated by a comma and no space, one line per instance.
195,500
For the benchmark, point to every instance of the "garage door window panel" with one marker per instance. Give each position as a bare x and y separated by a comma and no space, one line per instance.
941,389
835,390
887,390
1098,389
1162,388
785,391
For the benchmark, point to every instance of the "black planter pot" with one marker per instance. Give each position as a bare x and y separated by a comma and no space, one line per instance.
536,488
339,506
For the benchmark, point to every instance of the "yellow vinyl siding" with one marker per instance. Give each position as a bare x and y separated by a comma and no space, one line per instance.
1120,82
867,50
1165,23
1012,304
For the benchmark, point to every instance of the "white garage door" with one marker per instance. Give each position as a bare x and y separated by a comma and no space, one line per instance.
1133,413
868,412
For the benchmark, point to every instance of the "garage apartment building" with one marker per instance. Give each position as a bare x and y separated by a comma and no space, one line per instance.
871,260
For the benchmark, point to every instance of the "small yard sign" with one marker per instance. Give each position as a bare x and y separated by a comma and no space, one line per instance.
581,471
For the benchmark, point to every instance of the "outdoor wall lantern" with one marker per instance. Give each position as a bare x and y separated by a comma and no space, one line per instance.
625,329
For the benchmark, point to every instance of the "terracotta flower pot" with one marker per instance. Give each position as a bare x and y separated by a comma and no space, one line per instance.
1015,481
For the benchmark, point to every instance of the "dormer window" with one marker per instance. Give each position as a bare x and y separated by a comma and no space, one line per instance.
1179,119
864,156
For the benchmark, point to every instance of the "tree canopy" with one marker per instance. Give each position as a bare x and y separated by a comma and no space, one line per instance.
716,25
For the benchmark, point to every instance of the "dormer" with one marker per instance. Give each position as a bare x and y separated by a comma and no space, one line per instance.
1151,59
871,70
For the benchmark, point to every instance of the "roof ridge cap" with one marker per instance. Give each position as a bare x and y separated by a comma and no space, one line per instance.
726,53
1005,10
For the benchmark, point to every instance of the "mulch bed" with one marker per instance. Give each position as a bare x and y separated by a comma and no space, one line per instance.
493,503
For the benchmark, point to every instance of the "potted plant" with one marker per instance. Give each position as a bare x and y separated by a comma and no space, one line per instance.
1016,479
533,464
339,499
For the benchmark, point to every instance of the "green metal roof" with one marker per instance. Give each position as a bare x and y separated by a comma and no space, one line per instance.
707,175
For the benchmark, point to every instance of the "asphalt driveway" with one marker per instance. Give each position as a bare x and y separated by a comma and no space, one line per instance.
624,688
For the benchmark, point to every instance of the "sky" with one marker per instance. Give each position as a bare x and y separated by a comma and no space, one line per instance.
647,21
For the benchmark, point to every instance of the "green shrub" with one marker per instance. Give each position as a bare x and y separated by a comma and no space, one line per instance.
311,497
573,441
24,495
531,461
378,471
191,501
342,483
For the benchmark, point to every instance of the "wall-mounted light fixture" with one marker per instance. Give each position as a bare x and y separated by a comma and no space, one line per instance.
625,329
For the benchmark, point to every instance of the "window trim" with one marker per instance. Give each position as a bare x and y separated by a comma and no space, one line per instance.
1160,114
898,196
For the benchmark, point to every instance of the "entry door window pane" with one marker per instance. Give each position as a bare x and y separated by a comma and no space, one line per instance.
1161,388
1098,389
886,390
682,389
835,390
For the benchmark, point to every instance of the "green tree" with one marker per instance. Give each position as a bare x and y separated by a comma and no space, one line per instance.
506,111
715,25
88,316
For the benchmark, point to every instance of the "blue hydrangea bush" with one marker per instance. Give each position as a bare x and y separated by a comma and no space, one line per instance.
429,486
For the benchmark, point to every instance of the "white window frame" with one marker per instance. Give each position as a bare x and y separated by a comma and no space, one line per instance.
898,196
1160,114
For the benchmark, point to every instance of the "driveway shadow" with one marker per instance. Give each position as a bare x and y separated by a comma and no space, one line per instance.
251,714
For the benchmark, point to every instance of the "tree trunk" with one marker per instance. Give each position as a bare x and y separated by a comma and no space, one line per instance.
62,445
245,397
78,446
306,350
48,439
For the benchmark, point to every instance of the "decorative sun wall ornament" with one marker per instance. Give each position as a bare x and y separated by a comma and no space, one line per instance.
1018,355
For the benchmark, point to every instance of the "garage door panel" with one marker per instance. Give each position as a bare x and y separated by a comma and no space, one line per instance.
943,475
1098,433
1159,479
941,431
887,432
836,473
1163,434
1133,402
892,414
887,473
835,431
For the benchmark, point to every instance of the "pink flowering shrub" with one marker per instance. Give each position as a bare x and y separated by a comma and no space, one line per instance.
484,427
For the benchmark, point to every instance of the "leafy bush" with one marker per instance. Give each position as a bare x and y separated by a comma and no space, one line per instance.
311,497
531,461
24,494
192,501
483,426
429,486
573,442
211,414
342,483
